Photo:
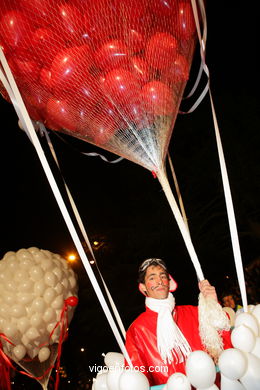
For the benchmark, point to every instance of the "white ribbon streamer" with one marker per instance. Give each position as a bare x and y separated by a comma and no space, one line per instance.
225,180
28,126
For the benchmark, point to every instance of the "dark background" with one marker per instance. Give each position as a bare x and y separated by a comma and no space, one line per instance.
124,208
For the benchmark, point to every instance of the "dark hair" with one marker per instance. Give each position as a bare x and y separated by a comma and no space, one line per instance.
148,263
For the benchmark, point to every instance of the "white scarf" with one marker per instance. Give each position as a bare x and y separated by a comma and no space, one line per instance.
171,343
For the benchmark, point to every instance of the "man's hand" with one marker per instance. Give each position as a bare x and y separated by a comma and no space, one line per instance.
207,290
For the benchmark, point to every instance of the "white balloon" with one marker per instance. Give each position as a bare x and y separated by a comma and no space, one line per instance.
200,362
9,298
49,315
113,376
24,298
229,384
8,254
19,351
39,288
46,264
10,285
39,305
26,263
36,320
178,381
50,279
114,359
65,283
58,272
249,320
214,387
59,288
130,380
26,285
32,334
256,312
20,275
36,273
44,354
72,282
256,350
23,324
243,338
232,363
17,311
231,313
49,295
4,311
58,302
10,330
22,254
251,379
101,382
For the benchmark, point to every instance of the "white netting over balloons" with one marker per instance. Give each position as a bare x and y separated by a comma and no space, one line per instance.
38,294
111,72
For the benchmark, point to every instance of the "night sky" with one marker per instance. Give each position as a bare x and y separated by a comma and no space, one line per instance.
124,208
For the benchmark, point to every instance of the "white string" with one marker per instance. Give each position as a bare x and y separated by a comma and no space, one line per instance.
203,66
225,180
184,216
26,121
93,154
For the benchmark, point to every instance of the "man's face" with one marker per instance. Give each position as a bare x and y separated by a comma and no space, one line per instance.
228,301
156,282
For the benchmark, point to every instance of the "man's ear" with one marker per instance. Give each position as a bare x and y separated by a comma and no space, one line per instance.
142,288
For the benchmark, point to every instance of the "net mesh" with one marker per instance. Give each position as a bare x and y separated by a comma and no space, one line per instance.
110,72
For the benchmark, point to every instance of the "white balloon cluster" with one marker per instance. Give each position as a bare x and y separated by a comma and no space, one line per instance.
34,284
116,377
239,366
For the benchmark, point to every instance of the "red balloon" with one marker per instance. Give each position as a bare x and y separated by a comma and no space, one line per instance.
134,12
103,128
120,86
185,23
178,72
27,72
101,22
15,31
161,50
112,54
133,38
158,98
46,43
70,21
38,11
45,78
87,93
72,301
68,68
163,8
136,114
59,115
141,69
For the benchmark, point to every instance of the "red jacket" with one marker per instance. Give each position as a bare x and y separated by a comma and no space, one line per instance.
141,342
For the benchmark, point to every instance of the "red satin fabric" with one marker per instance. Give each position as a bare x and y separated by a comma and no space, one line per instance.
141,342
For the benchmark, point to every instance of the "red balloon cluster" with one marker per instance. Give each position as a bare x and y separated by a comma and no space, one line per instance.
96,67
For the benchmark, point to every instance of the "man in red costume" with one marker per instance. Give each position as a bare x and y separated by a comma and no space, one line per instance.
160,339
